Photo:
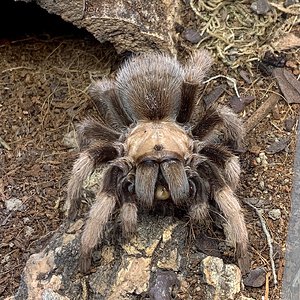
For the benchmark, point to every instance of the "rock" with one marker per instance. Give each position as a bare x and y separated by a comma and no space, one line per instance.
191,35
14,204
255,278
69,139
146,265
274,214
289,124
278,146
163,284
222,281
134,26
260,7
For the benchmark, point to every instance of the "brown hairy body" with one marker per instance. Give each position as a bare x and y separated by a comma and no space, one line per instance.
160,142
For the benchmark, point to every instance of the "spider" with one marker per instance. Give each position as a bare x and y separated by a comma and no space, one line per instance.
160,143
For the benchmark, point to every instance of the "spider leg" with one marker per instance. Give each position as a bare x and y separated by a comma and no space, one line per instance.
174,173
146,177
103,93
226,161
128,216
198,209
237,230
194,72
220,123
94,130
229,205
99,215
232,127
128,211
82,169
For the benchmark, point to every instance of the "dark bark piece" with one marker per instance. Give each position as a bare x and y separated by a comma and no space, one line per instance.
237,104
255,278
246,76
278,146
288,84
214,95
287,3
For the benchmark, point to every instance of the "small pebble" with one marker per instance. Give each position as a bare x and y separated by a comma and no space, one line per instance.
255,278
262,185
14,204
260,7
289,124
274,214
28,231
191,35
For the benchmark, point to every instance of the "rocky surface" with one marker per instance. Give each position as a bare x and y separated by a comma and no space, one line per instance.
131,26
159,262
156,263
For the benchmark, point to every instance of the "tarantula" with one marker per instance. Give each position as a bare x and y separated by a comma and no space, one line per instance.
160,142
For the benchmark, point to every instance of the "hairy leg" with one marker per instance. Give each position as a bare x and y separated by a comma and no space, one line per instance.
95,130
128,217
104,96
82,169
237,232
195,70
200,191
226,161
232,127
99,215
220,124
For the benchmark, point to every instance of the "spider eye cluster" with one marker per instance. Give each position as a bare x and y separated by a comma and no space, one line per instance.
159,141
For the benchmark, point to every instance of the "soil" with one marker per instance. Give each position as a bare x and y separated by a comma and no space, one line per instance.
43,85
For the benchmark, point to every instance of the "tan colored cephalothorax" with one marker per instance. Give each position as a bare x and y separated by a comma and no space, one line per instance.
160,142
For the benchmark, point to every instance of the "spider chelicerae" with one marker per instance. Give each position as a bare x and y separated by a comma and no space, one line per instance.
160,142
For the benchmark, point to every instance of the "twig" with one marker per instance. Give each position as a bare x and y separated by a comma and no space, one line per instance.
268,236
261,112
4,144
267,286
16,68
228,78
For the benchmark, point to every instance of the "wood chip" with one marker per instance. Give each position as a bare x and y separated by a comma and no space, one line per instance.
261,112
214,95
237,104
287,42
4,144
288,84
